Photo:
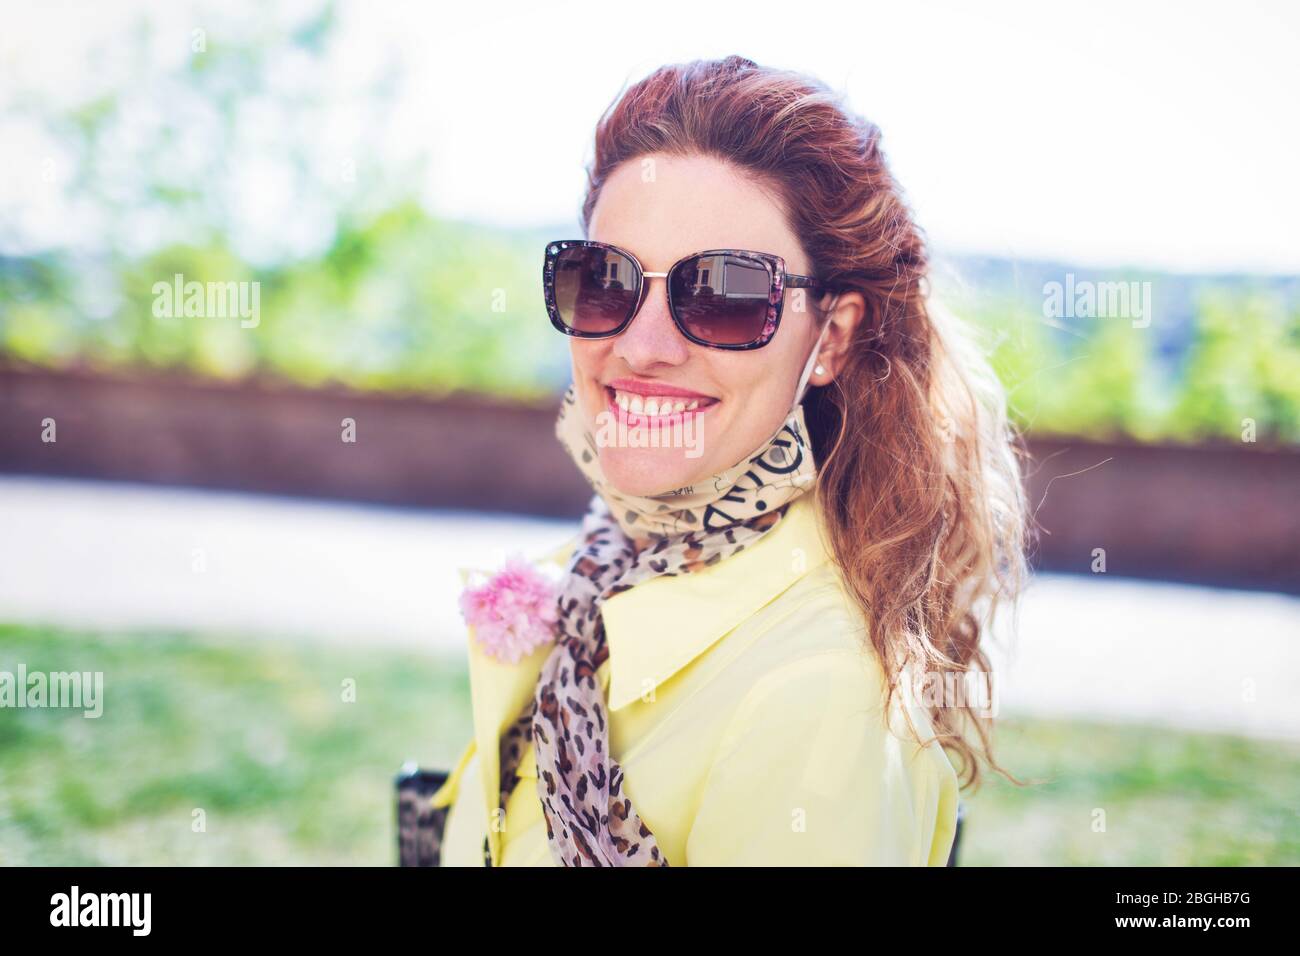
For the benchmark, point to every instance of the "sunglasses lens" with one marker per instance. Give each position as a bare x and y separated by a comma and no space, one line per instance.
595,289
722,299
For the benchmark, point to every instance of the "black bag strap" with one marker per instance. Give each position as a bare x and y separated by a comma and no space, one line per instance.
419,825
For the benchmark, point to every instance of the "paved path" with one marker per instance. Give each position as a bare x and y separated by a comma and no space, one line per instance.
119,556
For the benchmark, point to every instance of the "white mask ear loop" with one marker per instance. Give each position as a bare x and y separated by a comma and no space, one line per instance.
808,366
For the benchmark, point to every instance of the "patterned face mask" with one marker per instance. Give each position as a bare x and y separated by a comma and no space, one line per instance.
590,820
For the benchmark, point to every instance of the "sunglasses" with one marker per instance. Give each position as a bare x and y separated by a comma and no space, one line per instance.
722,298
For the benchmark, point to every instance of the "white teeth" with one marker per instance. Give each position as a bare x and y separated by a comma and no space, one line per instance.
653,405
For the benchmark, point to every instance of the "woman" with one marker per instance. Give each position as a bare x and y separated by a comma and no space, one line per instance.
806,509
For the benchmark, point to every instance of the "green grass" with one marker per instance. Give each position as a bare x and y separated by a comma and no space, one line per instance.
1120,795
258,736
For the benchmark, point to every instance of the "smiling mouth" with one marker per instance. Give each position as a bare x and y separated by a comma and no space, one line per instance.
635,409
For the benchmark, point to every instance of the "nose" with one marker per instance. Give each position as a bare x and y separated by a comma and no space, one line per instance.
652,338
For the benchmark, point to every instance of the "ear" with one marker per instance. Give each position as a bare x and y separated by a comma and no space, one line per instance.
845,311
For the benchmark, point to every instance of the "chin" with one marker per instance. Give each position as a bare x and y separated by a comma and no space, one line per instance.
648,472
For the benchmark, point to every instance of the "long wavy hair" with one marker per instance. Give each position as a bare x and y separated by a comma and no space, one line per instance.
918,474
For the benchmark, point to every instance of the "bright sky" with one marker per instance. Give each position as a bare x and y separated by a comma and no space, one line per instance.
1153,134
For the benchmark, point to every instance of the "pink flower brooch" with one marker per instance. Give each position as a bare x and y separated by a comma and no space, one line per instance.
514,612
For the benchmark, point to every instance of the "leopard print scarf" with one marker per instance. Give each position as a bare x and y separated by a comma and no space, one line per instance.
590,820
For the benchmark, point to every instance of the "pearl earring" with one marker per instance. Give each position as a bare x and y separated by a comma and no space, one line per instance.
819,370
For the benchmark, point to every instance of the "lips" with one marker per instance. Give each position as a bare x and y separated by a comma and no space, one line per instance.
633,386
653,402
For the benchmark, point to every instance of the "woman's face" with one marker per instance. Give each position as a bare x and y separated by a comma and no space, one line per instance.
662,208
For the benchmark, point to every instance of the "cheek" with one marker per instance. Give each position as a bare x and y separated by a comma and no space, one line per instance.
585,356
758,381
590,359
760,389
749,387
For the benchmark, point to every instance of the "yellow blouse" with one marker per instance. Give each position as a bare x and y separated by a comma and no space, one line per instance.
745,709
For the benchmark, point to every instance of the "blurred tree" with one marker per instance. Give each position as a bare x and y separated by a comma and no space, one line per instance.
1244,362
213,153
